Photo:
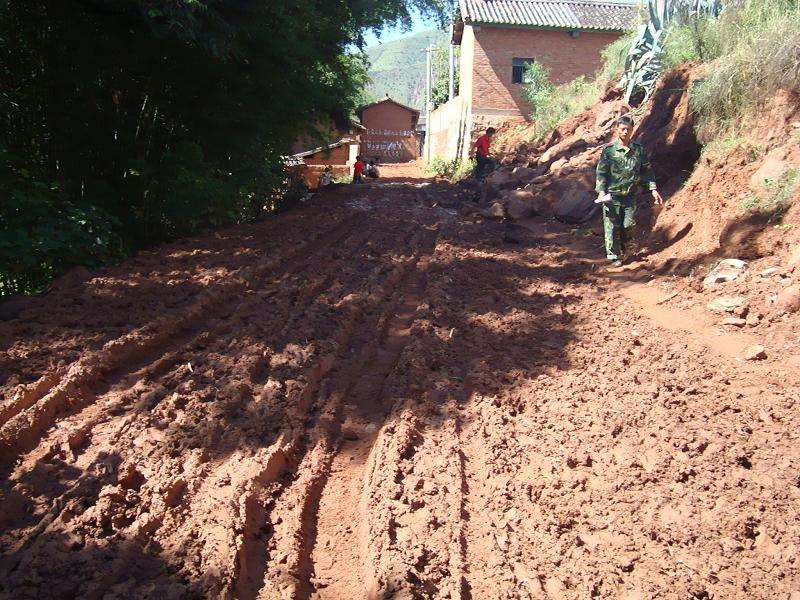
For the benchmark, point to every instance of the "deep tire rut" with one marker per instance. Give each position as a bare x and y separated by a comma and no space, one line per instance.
338,559
50,399
374,345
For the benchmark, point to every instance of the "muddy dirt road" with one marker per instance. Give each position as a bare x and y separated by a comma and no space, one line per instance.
372,397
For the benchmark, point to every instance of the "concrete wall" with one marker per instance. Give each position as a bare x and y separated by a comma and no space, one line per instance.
466,70
449,132
567,57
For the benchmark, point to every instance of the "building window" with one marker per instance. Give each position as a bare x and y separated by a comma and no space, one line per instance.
518,69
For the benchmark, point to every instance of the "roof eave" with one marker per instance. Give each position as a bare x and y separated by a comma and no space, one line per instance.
361,110
550,27
332,146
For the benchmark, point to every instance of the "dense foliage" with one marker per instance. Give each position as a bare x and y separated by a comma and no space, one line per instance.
440,67
752,51
124,123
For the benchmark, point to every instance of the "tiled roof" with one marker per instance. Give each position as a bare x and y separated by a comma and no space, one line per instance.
381,101
568,14
301,155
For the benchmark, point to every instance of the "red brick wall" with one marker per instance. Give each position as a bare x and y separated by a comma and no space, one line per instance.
310,173
387,116
390,133
496,47
336,156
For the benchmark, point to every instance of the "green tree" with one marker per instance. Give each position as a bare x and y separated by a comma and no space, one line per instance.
440,64
124,123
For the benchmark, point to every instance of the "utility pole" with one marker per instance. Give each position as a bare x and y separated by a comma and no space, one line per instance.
451,84
428,102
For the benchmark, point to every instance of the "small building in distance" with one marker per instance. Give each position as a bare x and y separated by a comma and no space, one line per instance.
339,156
389,131
336,147
498,38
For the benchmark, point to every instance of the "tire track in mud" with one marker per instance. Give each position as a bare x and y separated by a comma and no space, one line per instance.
38,408
253,553
245,475
122,395
296,514
100,411
81,314
336,552
485,540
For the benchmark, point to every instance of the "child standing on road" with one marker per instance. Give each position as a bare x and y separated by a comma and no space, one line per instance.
623,165
358,169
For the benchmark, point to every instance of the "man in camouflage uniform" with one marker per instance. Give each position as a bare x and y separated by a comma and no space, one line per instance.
623,165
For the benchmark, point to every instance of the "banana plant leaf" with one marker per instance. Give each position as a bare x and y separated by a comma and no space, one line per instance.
643,65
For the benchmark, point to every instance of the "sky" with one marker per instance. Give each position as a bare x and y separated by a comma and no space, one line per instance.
392,33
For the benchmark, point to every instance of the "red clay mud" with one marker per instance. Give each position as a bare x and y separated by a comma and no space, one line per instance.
373,397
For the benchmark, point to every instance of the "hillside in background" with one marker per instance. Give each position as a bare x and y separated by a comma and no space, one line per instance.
397,68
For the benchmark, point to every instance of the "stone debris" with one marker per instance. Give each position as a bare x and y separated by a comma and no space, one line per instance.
729,269
788,300
756,352
726,304
769,272
734,321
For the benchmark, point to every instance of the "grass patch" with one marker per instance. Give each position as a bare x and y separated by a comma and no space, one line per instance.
756,55
734,139
614,56
552,104
777,198
343,179
453,170
696,38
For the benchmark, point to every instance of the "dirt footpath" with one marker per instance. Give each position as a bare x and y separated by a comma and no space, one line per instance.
372,397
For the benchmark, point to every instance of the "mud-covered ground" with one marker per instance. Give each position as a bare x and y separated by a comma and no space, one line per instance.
372,397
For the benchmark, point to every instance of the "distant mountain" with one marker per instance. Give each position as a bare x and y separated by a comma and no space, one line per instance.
397,68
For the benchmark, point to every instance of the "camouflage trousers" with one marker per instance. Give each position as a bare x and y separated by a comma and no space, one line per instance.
619,221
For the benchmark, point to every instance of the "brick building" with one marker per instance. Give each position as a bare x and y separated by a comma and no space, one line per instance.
389,131
499,37
339,156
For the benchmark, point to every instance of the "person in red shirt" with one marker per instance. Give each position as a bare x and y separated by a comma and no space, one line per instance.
485,163
358,169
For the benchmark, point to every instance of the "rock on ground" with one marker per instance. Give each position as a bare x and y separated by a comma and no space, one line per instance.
728,269
788,300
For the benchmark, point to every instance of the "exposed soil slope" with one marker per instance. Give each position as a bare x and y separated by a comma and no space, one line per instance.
723,202
374,397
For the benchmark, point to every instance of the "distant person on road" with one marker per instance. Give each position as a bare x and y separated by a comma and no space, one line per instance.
481,149
358,169
370,170
326,177
622,167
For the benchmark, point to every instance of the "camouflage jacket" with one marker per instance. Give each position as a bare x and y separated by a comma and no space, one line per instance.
621,168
